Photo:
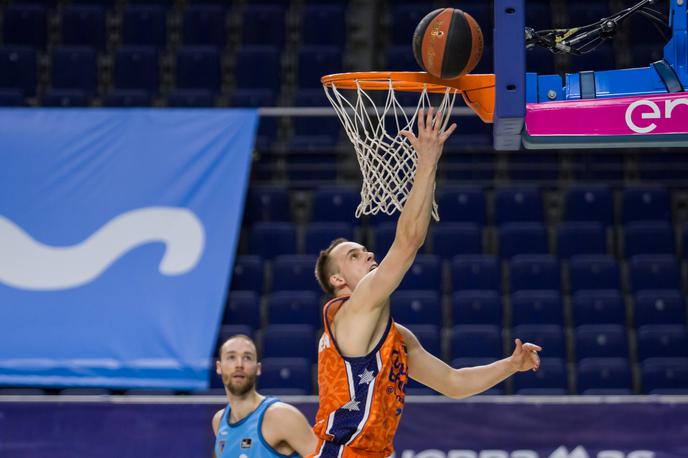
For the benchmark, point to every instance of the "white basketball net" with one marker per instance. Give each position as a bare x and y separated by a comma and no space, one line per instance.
386,159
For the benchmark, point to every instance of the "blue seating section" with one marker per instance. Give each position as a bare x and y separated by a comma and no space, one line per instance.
598,283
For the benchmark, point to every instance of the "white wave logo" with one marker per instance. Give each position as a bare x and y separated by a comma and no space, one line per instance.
28,264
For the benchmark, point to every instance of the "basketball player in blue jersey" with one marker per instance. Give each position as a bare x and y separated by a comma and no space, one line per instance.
252,425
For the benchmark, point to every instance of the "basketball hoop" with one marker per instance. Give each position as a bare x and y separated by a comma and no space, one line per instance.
386,159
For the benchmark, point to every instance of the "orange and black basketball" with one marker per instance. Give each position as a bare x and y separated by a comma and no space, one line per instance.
448,43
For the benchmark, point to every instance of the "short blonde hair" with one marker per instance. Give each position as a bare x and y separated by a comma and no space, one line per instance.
324,266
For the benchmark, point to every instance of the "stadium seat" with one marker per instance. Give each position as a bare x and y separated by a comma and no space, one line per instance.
458,164
198,67
522,238
267,204
315,61
404,19
256,98
265,58
11,97
429,337
540,166
645,204
294,273
263,25
272,239
399,59
289,341
475,272
604,375
603,306
248,274
25,25
190,98
84,25
593,272
584,203
601,341
475,341
550,376
144,25
425,273
520,204
74,68
659,307
548,336
477,307
323,25
654,272
64,98
452,239
412,307
268,131
294,307
315,134
229,330
648,238
127,98
285,376
465,205
536,307
136,68
662,341
204,25
382,238
318,236
18,67
534,272
581,238
242,307
664,374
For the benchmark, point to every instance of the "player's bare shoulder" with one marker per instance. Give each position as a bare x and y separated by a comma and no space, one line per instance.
216,420
279,415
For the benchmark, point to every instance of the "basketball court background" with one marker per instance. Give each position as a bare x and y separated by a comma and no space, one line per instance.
581,251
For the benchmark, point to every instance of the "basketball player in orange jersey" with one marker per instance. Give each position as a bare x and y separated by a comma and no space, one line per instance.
365,358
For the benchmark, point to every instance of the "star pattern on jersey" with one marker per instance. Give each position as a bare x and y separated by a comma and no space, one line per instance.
366,377
352,406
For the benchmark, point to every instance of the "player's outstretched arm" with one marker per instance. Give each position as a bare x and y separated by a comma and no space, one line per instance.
412,226
467,381
285,424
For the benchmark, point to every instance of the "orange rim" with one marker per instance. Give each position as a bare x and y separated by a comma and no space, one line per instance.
477,90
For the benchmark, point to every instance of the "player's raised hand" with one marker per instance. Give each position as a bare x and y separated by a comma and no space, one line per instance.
525,356
430,140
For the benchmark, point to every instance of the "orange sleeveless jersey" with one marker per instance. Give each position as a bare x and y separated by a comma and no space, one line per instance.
361,399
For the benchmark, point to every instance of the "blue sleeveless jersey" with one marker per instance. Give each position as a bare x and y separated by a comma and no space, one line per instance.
244,438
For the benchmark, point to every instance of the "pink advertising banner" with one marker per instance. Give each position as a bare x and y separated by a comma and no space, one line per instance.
643,115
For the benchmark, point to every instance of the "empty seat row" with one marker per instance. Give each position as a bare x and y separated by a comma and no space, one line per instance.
649,307
469,204
480,272
486,341
148,25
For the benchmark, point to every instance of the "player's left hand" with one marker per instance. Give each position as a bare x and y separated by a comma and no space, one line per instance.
525,356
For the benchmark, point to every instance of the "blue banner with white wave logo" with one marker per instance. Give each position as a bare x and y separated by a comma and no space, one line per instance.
118,229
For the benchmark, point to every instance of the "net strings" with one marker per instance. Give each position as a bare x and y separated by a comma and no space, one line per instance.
386,158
